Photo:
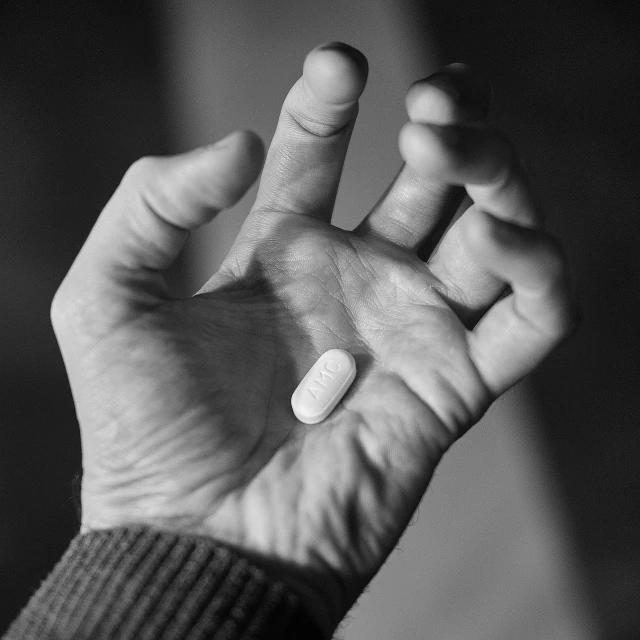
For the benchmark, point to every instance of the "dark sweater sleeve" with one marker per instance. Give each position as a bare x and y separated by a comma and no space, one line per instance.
147,584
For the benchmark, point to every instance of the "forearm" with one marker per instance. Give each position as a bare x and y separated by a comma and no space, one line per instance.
142,583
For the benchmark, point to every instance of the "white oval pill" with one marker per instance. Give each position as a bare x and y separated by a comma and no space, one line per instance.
323,386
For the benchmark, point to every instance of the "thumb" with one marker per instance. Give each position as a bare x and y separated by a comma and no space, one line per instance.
143,227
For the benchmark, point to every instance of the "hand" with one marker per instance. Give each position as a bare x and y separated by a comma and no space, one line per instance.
184,405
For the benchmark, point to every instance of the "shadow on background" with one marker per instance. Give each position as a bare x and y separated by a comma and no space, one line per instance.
568,92
81,97
79,101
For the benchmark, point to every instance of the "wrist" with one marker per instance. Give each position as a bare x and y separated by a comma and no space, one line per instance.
135,581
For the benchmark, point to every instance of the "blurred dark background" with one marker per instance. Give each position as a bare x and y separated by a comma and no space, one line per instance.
567,82
82,96
80,100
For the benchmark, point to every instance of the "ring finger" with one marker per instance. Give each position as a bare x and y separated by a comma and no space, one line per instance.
481,159
416,209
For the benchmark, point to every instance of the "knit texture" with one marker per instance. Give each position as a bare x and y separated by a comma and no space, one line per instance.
146,584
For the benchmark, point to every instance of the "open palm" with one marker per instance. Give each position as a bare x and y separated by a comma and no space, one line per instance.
184,405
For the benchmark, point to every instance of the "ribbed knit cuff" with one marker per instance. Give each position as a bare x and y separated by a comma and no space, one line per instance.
146,584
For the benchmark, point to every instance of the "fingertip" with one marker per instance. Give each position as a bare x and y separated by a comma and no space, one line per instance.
247,146
243,152
243,142
411,143
455,93
431,104
196,184
428,148
336,73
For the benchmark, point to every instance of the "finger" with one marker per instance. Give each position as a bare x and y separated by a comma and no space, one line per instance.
416,209
484,161
519,331
455,93
480,158
143,227
305,159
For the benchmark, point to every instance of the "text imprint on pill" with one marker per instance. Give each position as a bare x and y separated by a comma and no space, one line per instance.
324,386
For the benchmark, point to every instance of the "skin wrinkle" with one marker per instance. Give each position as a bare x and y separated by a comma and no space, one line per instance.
441,382
333,261
442,448
355,322
137,476
330,331
253,452
327,131
312,124
340,302
149,199
336,533
301,497
335,270
366,286
370,481
399,229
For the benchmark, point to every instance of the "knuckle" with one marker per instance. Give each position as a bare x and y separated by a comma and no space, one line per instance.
66,310
64,306
57,310
78,316
84,308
